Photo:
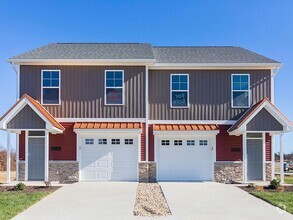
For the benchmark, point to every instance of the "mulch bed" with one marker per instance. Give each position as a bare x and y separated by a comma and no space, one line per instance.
150,201
30,189
266,189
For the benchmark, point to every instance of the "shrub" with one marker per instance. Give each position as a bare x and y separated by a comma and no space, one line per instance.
19,187
275,184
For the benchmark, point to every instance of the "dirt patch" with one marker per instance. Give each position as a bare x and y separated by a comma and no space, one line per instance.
266,189
30,189
150,201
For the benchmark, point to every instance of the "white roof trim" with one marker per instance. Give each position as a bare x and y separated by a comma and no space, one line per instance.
272,110
49,126
215,65
82,61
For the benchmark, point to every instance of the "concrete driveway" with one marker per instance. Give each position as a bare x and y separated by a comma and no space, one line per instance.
209,201
101,200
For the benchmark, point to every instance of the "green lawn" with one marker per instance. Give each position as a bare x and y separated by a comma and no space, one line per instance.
12,203
282,200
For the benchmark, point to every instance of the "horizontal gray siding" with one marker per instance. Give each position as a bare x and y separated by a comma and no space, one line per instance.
210,94
26,119
82,91
264,121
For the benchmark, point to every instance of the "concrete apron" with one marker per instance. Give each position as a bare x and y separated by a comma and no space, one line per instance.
210,201
86,200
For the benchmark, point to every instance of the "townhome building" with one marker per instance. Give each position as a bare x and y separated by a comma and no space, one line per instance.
137,112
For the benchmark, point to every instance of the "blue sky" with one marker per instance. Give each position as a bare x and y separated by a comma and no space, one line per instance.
264,26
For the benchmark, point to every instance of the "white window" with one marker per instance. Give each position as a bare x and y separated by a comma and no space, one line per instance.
102,141
115,141
190,142
50,87
89,141
178,142
240,90
128,141
165,142
179,91
203,143
114,87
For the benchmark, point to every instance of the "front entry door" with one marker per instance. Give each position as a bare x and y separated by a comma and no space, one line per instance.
254,159
36,158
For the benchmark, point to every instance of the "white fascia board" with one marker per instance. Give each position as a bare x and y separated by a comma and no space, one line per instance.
108,131
215,65
188,133
82,61
100,119
218,122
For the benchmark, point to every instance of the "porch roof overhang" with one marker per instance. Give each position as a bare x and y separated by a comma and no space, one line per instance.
52,125
185,129
240,126
107,127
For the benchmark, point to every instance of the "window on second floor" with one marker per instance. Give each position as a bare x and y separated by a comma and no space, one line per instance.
114,87
51,87
240,90
179,90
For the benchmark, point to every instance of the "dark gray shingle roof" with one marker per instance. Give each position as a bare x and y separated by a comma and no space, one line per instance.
90,51
137,51
207,54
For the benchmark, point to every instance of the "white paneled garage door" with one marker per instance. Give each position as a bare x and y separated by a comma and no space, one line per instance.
184,159
109,158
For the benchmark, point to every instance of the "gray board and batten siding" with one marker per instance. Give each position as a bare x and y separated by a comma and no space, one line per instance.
209,94
27,118
83,89
264,121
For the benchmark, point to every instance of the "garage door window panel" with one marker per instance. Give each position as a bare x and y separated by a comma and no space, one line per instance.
115,141
178,142
89,141
128,141
165,142
190,142
203,143
102,141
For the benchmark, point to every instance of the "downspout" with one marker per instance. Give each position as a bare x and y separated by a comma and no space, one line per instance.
16,68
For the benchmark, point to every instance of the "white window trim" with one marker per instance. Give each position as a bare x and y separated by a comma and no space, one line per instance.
123,88
53,87
249,90
181,74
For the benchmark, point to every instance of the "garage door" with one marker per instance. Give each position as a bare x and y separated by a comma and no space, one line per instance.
109,159
188,159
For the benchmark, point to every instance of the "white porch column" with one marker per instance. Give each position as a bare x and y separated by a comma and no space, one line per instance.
8,158
17,156
26,157
282,158
244,142
46,155
273,143
264,156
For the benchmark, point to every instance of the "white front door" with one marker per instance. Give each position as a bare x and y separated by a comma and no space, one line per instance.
110,158
184,159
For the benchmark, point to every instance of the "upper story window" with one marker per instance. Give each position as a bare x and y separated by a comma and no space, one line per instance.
51,87
240,90
114,87
179,90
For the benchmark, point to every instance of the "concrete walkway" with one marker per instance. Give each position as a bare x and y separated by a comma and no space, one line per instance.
215,201
85,201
